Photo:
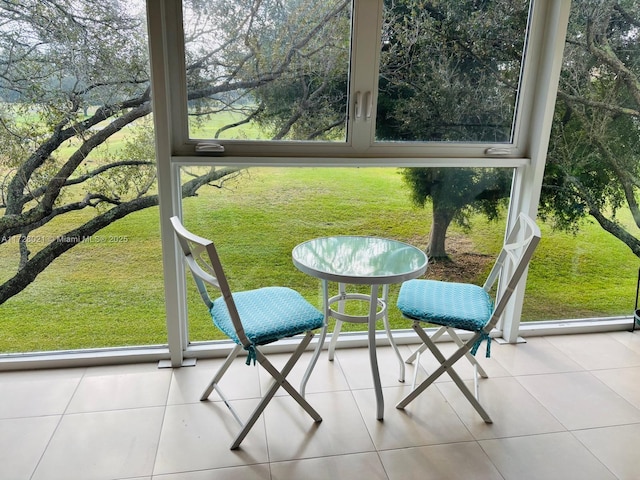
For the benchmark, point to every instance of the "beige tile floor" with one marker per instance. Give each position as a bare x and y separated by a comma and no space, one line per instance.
563,407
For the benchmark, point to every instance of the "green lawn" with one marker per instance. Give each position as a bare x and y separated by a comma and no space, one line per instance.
110,292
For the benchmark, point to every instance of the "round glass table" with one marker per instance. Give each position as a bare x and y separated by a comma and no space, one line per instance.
358,260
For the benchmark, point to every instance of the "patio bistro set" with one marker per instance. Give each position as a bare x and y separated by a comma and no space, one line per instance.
255,318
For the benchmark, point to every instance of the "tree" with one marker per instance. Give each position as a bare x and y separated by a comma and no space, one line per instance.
437,57
75,73
432,71
593,166
455,193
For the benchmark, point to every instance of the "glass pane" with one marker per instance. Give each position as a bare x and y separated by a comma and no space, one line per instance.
570,278
80,250
267,69
590,190
450,71
261,215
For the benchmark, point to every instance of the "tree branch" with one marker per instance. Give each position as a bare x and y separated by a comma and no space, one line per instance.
615,109
607,224
36,193
607,55
15,219
41,260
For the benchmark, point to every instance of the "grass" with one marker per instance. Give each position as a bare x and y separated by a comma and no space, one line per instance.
589,275
209,127
98,294
110,293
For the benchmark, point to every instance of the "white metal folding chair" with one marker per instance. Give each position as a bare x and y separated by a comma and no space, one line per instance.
251,319
467,307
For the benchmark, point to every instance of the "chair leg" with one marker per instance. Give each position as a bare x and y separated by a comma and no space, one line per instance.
415,356
446,365
279,379
470,357
470,396
221,371
411,358
431,378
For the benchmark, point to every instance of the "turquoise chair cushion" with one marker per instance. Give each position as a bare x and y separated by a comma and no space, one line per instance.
457,305
267,314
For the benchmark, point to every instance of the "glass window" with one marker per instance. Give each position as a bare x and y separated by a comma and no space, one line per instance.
353,72
570,278
80,250
449,71
267,70
259,216
590,189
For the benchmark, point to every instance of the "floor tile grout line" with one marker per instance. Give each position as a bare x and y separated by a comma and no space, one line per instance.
613,391
595,455
62,416
44,450
162,425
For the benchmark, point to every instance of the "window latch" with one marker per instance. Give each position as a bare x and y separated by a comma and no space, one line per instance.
499,151
209,147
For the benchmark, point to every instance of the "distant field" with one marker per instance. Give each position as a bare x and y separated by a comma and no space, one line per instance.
109,292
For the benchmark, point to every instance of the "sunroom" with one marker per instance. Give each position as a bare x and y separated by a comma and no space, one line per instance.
277,122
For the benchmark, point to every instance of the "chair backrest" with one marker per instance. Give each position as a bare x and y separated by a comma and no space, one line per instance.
202,259
513,260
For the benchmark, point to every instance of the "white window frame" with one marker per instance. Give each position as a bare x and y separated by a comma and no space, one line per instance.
536,103
361,145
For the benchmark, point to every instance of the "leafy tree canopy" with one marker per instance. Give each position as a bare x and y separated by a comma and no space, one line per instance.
593,167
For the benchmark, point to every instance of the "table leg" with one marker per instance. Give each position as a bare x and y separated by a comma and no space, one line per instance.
342,290
385,298
323,335
373,357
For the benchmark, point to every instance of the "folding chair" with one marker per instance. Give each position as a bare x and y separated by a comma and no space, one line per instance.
251,319
467,307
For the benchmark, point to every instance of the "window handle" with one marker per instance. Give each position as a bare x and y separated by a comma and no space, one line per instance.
358,105
368,101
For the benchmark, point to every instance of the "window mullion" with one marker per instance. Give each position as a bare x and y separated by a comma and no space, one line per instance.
365,60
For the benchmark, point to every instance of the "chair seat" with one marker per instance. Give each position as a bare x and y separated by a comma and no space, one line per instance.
456,305
268,314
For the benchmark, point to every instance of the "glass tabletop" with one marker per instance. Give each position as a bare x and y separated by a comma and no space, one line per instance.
360,259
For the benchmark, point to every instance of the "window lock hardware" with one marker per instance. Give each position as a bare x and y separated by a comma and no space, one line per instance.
366,105
501,151
209,147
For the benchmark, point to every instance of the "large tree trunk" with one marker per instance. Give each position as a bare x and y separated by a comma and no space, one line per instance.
437,236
